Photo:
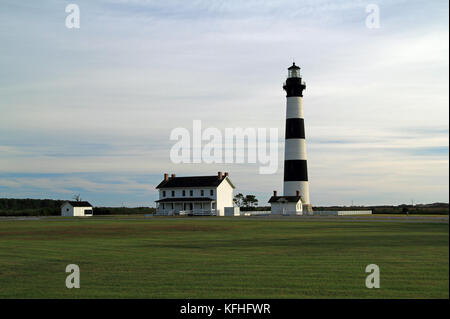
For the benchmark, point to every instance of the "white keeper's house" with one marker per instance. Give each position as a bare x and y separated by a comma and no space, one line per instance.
76,208
195,195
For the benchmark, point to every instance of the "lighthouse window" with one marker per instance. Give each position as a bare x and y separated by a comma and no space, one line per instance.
294,73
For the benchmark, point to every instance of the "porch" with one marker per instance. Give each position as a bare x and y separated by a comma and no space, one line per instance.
186,206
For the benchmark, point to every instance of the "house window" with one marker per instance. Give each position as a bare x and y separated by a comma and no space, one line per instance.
67,209
191,193
173,193
202,192
184,193
164,193
211,192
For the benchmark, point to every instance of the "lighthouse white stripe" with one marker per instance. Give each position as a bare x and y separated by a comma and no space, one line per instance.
295,149
290,189
294,107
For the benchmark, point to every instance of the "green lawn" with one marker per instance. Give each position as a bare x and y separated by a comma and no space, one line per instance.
222,258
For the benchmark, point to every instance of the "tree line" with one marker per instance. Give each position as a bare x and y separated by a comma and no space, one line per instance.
52,207
245,202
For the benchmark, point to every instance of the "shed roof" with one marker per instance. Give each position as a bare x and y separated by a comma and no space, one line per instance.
284,199
78,203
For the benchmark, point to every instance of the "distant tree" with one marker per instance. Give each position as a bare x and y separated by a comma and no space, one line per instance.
238,200
77,197
250,201
405,210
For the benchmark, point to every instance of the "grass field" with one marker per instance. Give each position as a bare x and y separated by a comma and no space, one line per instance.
222,258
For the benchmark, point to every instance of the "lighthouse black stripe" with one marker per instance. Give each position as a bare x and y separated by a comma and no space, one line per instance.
295,170
295,128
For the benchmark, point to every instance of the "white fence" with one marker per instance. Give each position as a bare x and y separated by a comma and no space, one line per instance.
314,213
342,212
195,212
213,212
256,213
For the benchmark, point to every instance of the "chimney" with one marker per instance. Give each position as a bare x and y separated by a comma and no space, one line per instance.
166,177
274,193
226,174
219,174
297,193
173,175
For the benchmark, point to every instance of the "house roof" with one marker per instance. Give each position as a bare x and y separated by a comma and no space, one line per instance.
187,199
194,181
78,204
284,199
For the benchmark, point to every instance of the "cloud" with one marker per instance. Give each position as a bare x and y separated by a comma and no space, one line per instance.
103,99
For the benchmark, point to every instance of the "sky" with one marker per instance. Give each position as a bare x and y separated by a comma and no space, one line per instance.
90,111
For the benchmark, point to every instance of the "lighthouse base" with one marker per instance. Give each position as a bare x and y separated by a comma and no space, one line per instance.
307,209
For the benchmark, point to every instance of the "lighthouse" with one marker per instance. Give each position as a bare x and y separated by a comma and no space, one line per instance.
295,167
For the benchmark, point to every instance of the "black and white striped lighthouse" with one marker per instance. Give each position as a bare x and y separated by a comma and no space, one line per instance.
295,168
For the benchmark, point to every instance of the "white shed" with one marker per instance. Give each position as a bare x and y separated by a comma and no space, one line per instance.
73,208
286,205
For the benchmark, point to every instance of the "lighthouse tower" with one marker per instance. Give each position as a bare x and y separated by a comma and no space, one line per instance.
295,168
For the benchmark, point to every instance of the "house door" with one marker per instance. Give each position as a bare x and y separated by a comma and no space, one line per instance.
188,206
